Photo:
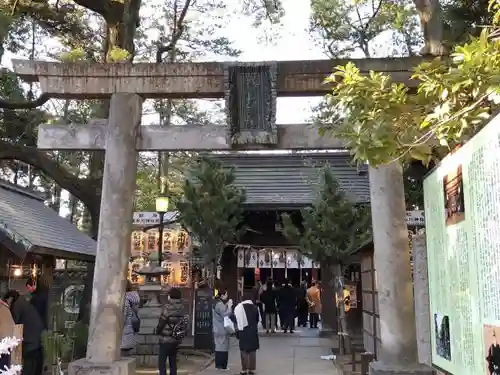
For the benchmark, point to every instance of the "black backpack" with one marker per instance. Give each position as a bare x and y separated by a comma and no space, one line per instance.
135,320
179,329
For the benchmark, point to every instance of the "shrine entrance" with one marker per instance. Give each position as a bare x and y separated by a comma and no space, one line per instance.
250,91
277,264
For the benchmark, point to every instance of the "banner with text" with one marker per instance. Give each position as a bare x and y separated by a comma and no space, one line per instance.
462,217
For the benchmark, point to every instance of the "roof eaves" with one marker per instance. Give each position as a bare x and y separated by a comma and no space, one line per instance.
22,190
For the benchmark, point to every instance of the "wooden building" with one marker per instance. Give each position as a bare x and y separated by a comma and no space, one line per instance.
368,287
35,240
177,247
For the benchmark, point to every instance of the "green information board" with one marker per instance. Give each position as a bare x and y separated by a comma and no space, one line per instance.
462,216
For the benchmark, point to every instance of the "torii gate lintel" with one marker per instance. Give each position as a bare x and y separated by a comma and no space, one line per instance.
199,80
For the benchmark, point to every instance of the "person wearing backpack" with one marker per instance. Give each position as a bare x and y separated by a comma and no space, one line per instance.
171,329
131,321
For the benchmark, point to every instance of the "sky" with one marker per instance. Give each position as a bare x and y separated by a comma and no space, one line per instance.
293,43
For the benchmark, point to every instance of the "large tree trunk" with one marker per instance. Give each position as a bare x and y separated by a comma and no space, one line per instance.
429,12
56,198
329,314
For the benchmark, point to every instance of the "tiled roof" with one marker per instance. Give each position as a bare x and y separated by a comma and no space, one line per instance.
292,179
26,222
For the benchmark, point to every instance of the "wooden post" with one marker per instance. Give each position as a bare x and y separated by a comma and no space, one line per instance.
17,354
374,307
366,358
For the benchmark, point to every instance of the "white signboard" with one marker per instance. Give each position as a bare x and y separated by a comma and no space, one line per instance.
152,218
415,218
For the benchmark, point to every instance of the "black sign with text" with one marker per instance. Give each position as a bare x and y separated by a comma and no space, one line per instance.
203,337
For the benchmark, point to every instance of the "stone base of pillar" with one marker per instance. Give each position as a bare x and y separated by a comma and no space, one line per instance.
381,368
124,366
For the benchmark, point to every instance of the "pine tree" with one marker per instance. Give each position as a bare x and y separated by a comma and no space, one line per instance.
331,229
212,208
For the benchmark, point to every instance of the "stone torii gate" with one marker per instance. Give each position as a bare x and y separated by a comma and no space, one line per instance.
249,126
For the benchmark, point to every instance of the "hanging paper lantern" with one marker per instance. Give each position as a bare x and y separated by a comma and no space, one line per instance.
257,274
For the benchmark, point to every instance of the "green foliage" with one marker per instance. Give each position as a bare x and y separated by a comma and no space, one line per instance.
147,179
332,228
464,18
212,207
270,11
116,54
76,54
56,345
383,121
146,189
59,342
349,26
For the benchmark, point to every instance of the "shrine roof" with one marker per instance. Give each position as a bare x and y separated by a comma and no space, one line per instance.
28,225
292,179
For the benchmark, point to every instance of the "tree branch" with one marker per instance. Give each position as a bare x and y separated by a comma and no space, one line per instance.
178,30
82,189
25,104
99,6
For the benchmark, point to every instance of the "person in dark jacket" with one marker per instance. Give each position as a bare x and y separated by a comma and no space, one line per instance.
288,305
268,299
257,290
24,313
302,305
277,291
493,357
39,298
172,315
247,333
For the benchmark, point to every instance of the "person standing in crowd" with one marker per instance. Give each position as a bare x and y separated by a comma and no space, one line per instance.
258,289
302,306
171,329
268,299
131,321
38,291
277,291
6,330
288,305
24,313
314,301
247,332
222,309
493,357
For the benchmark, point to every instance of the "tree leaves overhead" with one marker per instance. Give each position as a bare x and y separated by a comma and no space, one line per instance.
332,228
346,27
383,122
465,18
212,207
270,11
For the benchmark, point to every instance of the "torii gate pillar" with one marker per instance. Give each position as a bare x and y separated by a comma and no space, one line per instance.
113,242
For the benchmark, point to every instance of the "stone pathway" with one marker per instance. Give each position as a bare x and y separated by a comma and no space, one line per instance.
286,354
188,363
